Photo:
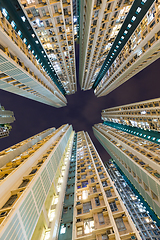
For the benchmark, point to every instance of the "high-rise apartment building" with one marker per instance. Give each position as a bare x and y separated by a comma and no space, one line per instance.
105,25
6,117
20,72
55,186
138,158
54,24
100,22
137,208
145,115
32,182
117,39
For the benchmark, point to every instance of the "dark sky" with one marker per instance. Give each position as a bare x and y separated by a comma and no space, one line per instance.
83,109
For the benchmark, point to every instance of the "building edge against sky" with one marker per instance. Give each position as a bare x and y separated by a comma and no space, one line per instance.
34,202
6,118
45,54
20,71
55,24
100,23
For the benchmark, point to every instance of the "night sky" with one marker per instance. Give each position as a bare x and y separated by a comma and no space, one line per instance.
82,111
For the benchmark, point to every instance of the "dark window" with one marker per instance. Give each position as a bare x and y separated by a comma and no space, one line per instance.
86,207
92,180
100,218
10,201
79,211
108,193
83,176
97,201
94,189
99,169
33,171
101,176
83,169
65,210
113,206
104,183
120,224
24,183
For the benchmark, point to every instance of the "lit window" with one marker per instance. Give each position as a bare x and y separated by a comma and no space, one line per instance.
51,215
4,12
23,18
63,229
13,24
88,225
85,194
133,18
138,10
47,235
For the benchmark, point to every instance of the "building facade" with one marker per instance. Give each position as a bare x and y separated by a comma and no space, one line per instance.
138,158
140,50
6,117
32,183
20,71
144,114
55,186
137,208
100,23
54,24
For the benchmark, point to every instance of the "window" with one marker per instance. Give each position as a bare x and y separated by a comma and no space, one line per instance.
101,175
65,210
146,187
55,8
85,194
10,201
88,225
86,207
139,180
79,211
99,169
154,196
97,201
113,206
120,224
92,180
100,218
63,229
84,184
134,175
83,176
83,169
79,231
104,183
105,237
94,189
90,172
108,193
